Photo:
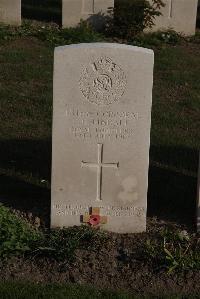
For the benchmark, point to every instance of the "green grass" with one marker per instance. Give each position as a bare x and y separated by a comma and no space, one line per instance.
30,291
170,249
16,235
173,251
19,238
176,95
26,74
37,291
176,99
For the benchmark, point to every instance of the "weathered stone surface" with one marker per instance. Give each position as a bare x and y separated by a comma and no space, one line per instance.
10,12
179,15
92,10
101,136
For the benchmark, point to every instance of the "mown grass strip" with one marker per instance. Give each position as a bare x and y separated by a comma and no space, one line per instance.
18,290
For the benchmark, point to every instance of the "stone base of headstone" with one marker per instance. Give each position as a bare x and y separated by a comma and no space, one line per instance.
10,12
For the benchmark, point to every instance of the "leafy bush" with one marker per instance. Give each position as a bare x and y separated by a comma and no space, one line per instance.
61,244
156,39
129,17
56,36
173,251
16,235
52,34
196,38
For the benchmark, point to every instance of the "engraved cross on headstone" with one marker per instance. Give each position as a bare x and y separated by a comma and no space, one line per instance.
99,165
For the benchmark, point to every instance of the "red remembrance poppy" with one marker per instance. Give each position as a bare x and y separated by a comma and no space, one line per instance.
94,220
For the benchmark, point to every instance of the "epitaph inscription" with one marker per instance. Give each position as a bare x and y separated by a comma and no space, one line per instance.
114,211
103,82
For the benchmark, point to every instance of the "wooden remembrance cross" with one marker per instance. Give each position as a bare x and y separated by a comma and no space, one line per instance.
99,165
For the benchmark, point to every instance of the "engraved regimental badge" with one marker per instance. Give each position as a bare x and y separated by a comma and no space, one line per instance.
102,82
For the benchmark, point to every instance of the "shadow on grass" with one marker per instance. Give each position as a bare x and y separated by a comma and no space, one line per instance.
173,184
171,196
49,10
31,159
26,198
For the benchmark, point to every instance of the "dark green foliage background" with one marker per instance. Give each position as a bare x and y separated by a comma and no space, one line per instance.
130,17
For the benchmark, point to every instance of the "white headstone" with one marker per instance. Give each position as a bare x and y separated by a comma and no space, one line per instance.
101,136
10,12
198,198
179,15
92,10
